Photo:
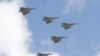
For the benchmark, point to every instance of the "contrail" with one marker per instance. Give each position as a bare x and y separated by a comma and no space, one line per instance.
14,31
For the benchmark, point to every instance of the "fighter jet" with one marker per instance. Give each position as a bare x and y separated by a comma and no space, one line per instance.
25,10
49,19
67,25
42,54
57,39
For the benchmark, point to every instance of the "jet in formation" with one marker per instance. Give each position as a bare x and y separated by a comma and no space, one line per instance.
49,19
43,54
25,10
57,39
67,25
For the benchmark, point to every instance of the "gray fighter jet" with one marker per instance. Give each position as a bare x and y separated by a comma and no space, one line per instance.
57,39
67,25
49,19
43,54
25,10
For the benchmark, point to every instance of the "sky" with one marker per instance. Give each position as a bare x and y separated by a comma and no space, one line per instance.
13,29
83,39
